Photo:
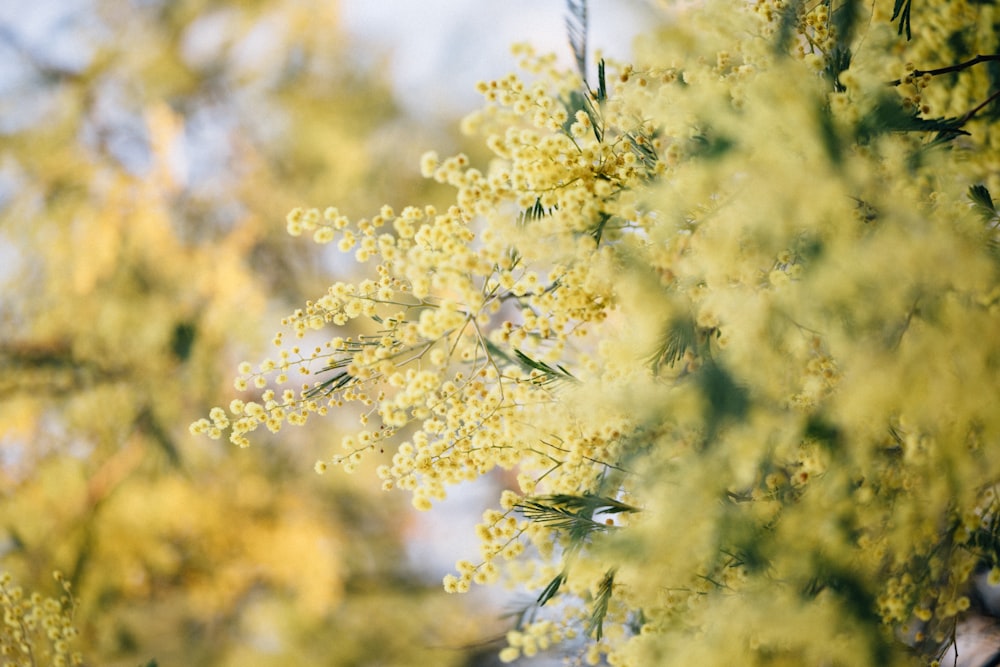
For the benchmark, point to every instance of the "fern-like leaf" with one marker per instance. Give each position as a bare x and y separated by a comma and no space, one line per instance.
573,514
901,10
535,212
549,373
335,383
327,387
889,115
576,526
598,231
551,589
790,12
577,28
590,504
982,201
679,337
582,101
595,625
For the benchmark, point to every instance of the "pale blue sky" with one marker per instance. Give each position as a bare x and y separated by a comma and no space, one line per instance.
441,48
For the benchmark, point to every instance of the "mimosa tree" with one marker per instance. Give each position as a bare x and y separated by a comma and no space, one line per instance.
729,313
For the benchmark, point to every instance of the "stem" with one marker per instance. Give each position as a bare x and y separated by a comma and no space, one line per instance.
952,68
959,67
968,116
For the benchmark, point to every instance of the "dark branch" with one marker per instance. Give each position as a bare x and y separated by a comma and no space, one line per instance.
951,68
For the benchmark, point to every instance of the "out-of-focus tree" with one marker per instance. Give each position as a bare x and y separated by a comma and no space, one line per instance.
147,150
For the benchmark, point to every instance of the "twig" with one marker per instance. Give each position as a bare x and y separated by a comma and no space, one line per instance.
951,68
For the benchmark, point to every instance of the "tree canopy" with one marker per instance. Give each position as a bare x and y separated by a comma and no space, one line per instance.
729,315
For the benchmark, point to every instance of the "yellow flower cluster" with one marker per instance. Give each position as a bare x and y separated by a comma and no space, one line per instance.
470,303
37,630
732,322
534,638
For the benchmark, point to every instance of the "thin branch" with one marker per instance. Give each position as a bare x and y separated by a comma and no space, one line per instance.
968,116
951,68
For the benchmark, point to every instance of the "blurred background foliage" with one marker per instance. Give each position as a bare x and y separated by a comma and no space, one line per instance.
148,154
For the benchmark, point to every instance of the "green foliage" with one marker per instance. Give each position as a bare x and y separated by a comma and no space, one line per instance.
577,517
571,514
548,373
534,212
983,202
679,337
901,10
890,114
578,101
551,589
595,624
577,27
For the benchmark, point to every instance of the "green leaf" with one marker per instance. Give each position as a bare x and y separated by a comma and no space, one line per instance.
550,373
901,10
821,430
577,29
577,526
726,398
838,61
334,384
641,145
590,503
552,588
602,86
790,12
535,212
866,211
844,19
598,232
595,625
710,146
496,353
890,115
828,133
726,401
573,514
679,337
983,202
582,102
183,340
